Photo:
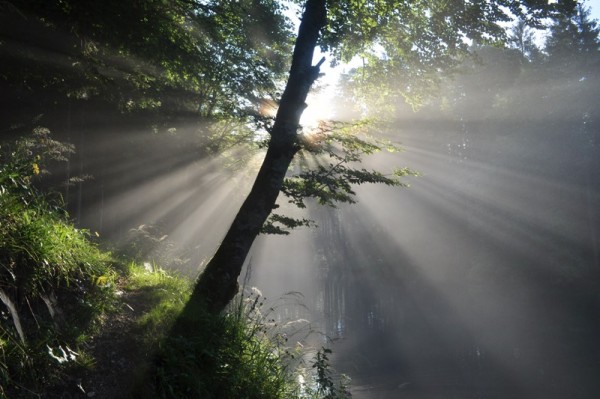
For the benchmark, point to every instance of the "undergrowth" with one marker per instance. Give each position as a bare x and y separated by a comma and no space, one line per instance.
166,293
243,354
56,286
54,282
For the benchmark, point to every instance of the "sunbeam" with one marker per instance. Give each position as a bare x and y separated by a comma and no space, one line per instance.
469,269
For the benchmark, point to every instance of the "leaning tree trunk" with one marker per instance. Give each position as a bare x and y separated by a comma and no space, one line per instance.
217,285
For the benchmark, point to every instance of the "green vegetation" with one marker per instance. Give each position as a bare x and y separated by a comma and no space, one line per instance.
55,284
240,354
58,289
165,293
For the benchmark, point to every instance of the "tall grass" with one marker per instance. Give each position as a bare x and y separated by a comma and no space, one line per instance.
243,354
54,283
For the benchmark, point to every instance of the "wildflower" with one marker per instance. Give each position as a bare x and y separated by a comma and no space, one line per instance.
36,169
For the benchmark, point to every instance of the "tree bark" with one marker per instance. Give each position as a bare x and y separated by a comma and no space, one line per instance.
217,285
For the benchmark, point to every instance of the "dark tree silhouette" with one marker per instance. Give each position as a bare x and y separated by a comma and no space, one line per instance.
218,283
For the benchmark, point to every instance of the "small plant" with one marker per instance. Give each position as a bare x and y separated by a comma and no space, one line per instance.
326,385
148,243
25,161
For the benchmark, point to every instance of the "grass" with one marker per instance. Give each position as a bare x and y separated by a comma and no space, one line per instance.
57,287
241,353
55,284
166,295
230,356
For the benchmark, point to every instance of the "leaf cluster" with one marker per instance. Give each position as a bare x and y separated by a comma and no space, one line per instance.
432,32
330,169
339,149
281,224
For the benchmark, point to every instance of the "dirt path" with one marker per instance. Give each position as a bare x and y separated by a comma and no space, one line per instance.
118,355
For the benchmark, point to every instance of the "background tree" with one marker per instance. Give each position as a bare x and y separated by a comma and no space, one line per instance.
522,37
573,42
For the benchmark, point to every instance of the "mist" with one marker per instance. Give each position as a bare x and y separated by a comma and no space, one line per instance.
480,280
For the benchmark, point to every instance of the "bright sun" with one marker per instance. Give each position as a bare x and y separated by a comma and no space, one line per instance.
320,108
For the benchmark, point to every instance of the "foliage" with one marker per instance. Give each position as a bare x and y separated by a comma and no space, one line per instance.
279,224
329,170
406,47
26,160
326,385
171,59
54,283
242,353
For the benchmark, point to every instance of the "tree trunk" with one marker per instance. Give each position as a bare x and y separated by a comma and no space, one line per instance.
217,285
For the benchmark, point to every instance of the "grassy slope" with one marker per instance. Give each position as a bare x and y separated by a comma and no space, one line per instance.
76,321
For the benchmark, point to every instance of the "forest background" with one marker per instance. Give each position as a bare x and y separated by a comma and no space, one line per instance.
168,122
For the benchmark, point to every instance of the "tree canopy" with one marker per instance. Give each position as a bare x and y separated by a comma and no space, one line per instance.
222,59
206,58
